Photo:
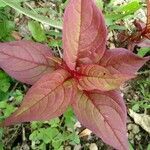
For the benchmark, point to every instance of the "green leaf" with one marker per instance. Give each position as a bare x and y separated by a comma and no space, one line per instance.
54,33
6,29
7,109
129,8
33,15
3,95
18,96
130,146
54,122
4,82
2,4
1,133
57,144
34,135
1,143
148,147
45,135
36,125
70,118
37,31
100,4
136,107
1,146
122,12
51,133
60,148
41,147
55,43
74,139
143,51
117,27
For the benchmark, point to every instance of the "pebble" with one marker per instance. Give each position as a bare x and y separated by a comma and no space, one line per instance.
93,146
68,148
77,125
77,147
134,128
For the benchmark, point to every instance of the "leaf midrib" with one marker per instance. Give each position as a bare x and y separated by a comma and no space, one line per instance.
43,97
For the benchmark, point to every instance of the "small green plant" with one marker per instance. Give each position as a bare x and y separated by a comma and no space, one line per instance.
4,85
37,31
6,25
55,133
143,102
143,51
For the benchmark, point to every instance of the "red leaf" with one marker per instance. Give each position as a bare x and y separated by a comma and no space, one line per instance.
84,33
105,115
95,77
144,43
48,98
26,61
140,25
148,12
147,31
120,60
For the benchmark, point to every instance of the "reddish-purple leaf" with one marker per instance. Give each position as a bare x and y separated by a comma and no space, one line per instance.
48,98
147,30
140,25
84,33
95,77
144,43
26,61
123,61
105,115
148,13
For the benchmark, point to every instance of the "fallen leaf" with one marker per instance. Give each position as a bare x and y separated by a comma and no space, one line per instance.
16,35
141,119
85,132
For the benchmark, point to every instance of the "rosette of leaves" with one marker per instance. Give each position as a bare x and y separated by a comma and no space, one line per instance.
87,78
